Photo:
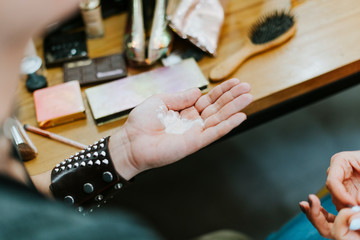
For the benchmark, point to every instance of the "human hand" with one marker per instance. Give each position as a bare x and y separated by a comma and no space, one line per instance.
168,127
344,226
343,179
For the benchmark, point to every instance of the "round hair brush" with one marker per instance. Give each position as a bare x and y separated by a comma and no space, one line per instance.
269,32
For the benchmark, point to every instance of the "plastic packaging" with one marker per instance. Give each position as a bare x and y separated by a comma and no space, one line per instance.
200,22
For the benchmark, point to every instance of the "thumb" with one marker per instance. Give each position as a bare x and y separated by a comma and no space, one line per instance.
181,100
342,223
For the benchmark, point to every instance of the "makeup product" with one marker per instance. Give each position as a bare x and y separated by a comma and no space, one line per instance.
200,22
59,104
355,224
114,100
32,68
74,22
160,37
270,31
174,123
22,142
97,70
147,37
35,82
24,134
91,15
54,136
60,48
355,209
134,38
26,152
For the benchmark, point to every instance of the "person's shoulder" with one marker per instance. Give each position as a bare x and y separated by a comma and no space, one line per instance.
26,213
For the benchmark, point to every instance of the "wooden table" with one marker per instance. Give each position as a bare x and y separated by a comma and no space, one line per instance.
325,49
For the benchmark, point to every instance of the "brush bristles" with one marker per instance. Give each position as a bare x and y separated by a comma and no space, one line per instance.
271,26
26,152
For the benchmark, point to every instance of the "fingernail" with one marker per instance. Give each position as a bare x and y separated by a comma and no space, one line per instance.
302,208
355,209
355,224
245,84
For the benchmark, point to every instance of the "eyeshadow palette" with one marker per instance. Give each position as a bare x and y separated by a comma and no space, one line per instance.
96,70
115,99
59,104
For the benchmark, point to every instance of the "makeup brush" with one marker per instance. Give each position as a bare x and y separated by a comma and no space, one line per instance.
270,31
24,134
26,151
54,136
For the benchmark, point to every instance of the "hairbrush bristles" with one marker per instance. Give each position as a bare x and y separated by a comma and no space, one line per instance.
271,26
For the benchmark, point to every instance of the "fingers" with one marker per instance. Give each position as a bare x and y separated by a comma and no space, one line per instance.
213,133
190,113
181,100
315,205
228,110
318,216
358,197
223,101
225,98
331,226
215,93
337,173
304,206
329,217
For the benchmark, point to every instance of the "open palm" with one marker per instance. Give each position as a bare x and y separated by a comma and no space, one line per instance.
152,145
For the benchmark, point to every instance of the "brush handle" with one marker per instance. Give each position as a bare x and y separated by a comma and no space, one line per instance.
24,134
16,135
54,136
295,3
227,67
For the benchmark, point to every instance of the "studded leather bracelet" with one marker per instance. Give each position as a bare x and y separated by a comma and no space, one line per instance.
87,178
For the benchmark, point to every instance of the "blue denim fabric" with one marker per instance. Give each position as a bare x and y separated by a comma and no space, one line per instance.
299,228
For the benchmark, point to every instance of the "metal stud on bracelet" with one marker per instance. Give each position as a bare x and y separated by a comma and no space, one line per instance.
87,176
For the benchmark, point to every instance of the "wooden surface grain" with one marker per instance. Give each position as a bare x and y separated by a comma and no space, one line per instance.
324,49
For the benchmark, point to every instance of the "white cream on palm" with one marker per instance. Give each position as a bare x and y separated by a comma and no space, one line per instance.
176,124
